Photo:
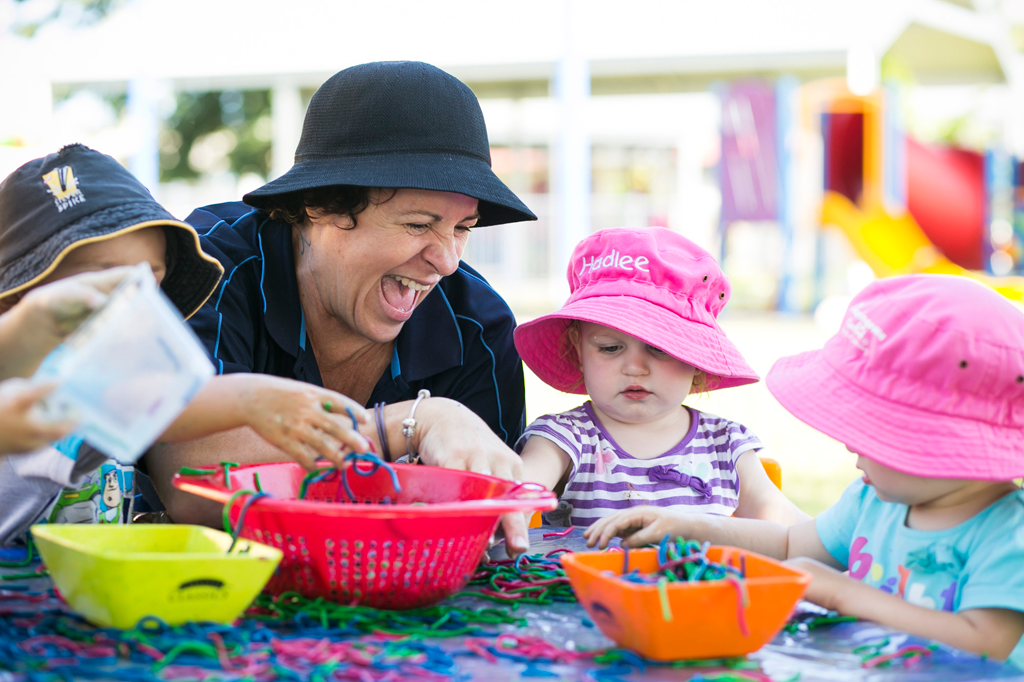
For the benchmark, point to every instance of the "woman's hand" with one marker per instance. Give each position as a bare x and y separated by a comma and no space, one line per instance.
303,420
450,435
638,527
19,430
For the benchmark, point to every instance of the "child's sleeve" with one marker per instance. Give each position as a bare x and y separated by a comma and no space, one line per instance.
995,565
559,431
836,524
741,439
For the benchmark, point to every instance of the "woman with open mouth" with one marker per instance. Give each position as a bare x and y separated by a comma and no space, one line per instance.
345,272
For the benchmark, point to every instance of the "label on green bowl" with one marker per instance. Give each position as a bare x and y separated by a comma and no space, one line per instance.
200,589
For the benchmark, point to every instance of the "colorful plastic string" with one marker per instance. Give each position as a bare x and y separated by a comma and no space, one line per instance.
687,561
293,638
529,579
324,474
197,471
559,534
811,621
524,648
30,554
905,655
227,467
442,621
284,638
666,607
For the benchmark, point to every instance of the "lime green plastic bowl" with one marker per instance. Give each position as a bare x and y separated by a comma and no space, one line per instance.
113,575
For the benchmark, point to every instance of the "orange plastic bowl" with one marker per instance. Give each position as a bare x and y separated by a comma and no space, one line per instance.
704,620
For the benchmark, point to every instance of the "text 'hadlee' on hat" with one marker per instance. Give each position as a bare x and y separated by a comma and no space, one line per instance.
651,283
397,124
50,206
926,376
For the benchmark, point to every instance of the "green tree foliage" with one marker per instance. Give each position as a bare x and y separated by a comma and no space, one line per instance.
80,12
220,131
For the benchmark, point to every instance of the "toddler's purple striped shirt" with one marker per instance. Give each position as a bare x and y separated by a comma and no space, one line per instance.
699,473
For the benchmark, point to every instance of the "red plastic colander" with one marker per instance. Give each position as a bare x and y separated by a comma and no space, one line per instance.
388,550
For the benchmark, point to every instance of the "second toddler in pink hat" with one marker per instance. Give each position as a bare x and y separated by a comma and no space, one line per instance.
924,383
639,333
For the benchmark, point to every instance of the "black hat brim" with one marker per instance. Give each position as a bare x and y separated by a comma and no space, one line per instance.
188,284
438,172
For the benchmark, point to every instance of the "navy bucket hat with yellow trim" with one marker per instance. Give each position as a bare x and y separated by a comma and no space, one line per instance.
77,196
397,125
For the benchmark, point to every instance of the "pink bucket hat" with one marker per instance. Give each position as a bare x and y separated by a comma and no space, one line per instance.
651,283
926,376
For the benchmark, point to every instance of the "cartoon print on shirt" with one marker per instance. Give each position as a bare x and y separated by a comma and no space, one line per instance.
100,498
930,560
110,501
77,505
604,460
701,470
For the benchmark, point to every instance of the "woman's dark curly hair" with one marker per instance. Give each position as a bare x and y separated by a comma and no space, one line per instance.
346,200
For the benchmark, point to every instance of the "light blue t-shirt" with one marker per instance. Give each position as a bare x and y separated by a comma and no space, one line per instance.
976,564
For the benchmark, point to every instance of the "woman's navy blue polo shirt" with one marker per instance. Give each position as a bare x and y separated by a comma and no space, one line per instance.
458,342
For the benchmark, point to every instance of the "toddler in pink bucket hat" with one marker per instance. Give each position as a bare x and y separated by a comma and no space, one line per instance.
925,384
638,334
651,283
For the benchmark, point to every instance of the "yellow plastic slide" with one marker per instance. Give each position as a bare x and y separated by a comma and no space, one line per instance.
896,245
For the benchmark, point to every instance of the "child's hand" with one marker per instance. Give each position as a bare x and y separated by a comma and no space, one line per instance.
304,420
827,583
59,307
19,430
33,326
637,526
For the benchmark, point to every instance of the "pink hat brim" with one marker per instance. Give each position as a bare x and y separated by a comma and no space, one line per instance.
899,436
706,348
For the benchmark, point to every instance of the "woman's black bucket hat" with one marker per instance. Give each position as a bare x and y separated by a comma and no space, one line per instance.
397,124
53,205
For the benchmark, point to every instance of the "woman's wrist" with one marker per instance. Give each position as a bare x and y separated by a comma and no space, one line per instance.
428,412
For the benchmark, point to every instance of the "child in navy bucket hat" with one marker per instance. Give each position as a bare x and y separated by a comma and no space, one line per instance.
63,217
639,333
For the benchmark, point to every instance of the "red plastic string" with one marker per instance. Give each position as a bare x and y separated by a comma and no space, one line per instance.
559,534
474,646
538,648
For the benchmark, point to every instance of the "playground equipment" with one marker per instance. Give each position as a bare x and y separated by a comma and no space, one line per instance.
907,207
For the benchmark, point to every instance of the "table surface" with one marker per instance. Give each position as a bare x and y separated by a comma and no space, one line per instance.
824,653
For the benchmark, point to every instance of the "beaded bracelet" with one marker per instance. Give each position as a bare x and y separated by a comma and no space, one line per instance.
382,432
409,426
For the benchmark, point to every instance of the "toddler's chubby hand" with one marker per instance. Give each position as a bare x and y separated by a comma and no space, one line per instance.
637,526
19,430
56,309
826,585
305,421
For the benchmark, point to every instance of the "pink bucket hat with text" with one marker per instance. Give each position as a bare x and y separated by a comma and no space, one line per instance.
926,376
651,283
